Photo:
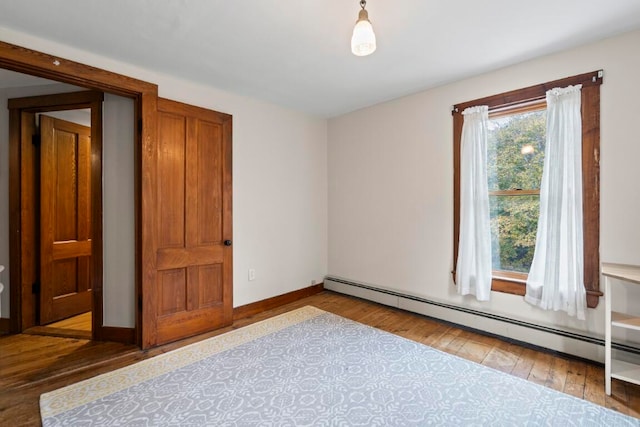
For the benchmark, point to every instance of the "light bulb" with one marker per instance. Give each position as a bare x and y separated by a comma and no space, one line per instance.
363,41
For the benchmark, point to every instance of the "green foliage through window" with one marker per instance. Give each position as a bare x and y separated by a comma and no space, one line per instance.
515,157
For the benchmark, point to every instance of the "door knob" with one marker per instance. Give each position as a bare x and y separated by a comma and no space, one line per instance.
227,242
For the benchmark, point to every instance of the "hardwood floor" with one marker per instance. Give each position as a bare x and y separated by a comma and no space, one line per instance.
31,365
74,327
81,322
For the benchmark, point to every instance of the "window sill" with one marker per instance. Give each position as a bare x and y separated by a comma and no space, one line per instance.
517,286
500,282
508,285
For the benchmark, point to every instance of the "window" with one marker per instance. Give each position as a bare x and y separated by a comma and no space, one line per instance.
515,158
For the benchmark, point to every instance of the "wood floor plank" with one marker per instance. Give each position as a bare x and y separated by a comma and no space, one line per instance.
474,351
558,374
510,347
434,336
594,385
59,332
541,369
451,343
618,400
81,322
501,360
577,372
574,389
525,363
31,365
633,402
420,329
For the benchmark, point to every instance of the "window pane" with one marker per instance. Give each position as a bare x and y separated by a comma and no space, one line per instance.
514,222
515,151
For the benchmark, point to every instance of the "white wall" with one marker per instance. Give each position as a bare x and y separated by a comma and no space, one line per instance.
391,182
279,178
81,117
118,212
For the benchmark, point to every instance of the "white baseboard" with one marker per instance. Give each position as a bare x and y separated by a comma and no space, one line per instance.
562,341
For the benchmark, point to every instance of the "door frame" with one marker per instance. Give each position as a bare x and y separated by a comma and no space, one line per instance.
22,113
145,96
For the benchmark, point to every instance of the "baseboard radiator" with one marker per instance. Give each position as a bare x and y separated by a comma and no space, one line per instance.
521,332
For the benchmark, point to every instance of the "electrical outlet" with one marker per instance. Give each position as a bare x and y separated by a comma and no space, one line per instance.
252,274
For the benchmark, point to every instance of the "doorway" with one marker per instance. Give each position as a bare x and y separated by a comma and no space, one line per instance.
153,263
60,176
144,97
63,246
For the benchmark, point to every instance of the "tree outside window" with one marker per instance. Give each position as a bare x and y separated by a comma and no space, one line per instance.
515,159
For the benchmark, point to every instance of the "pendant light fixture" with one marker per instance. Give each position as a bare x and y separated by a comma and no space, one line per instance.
363,41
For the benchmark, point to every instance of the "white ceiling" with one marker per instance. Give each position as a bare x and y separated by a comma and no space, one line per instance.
296,53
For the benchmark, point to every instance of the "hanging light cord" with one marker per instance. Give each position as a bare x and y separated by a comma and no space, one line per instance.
363,3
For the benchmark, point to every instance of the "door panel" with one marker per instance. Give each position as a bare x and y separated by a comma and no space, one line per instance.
211,294
171,180
65,219
193,287
208,226
172,292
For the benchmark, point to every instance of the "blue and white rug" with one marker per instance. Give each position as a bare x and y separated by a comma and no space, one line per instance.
313,368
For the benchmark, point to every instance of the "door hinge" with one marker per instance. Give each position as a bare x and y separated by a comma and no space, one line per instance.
35,140
35,288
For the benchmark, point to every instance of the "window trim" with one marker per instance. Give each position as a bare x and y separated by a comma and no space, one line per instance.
521,98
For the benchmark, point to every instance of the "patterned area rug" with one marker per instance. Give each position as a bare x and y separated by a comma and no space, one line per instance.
312,368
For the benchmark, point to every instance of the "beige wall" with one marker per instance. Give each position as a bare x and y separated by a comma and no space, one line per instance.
391,182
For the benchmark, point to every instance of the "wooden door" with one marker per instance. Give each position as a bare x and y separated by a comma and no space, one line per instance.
192,290
65,219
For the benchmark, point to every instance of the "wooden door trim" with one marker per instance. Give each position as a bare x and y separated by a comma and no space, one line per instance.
145,95
44,103
15,225
24,60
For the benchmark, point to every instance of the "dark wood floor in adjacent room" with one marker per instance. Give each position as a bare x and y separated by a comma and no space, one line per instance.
31,365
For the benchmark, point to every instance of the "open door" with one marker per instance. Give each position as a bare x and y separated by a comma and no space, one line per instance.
56,206
65,219
192,289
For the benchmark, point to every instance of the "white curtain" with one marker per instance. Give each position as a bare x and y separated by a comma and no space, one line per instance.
556,280
473,270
